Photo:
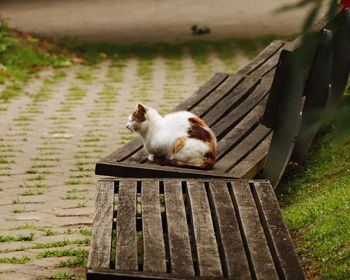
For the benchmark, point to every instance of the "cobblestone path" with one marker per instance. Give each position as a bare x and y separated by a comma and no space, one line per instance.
51,134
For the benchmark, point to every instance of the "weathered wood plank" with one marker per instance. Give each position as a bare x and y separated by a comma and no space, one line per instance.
340,26
224,125
254,234
236,264
231,101
153,240
153,170
241,130
275,95
204,235
287,124
288,264
317,92
191,102
179,242
269,51
101,236
243,148
221,91
267,67
254,162
126,258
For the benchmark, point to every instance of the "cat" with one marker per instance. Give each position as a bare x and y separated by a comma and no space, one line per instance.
179,139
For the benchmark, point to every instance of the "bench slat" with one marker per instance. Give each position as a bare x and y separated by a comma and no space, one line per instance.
241,130
254,162
269,51
221,127
317,92
279,237
153,240
153,170
179,242
126,258
268,66
101,236
243,148
204,235
210,102
231,100
230,236
254,234
340,26
287,124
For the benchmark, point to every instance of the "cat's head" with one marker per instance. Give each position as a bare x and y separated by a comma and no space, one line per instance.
141,118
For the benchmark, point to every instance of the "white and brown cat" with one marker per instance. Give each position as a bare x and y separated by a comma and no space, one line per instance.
179,139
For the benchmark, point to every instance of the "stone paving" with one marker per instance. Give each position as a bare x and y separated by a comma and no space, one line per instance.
51,135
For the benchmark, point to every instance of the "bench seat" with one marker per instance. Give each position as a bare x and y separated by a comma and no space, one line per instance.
198,228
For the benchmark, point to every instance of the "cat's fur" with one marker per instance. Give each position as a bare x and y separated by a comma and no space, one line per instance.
180,138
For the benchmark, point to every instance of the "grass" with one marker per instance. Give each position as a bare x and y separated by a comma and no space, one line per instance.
75,197
31,192
316,203
63,253
73,262
29,237
23,55
66,276
62,243
15,260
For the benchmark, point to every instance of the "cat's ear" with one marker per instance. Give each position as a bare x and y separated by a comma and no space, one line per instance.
141,108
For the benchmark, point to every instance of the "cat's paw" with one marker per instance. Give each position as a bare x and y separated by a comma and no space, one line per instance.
151,157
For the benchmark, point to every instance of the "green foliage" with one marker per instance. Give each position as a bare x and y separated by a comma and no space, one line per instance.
316,202
22,56
63,253
62,243
65,276
73,262
5,238
15,260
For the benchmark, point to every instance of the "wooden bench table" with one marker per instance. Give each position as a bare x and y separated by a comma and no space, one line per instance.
194,228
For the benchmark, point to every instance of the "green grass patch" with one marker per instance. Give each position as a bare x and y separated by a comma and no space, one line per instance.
66,276
77,182
15,260
74,197
31,192
76,190
27,237
21,56
316,203
63,253
85,75
62,243
29,226
73,262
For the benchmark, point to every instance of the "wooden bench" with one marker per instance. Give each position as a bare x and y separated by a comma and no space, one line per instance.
234,106
176,229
